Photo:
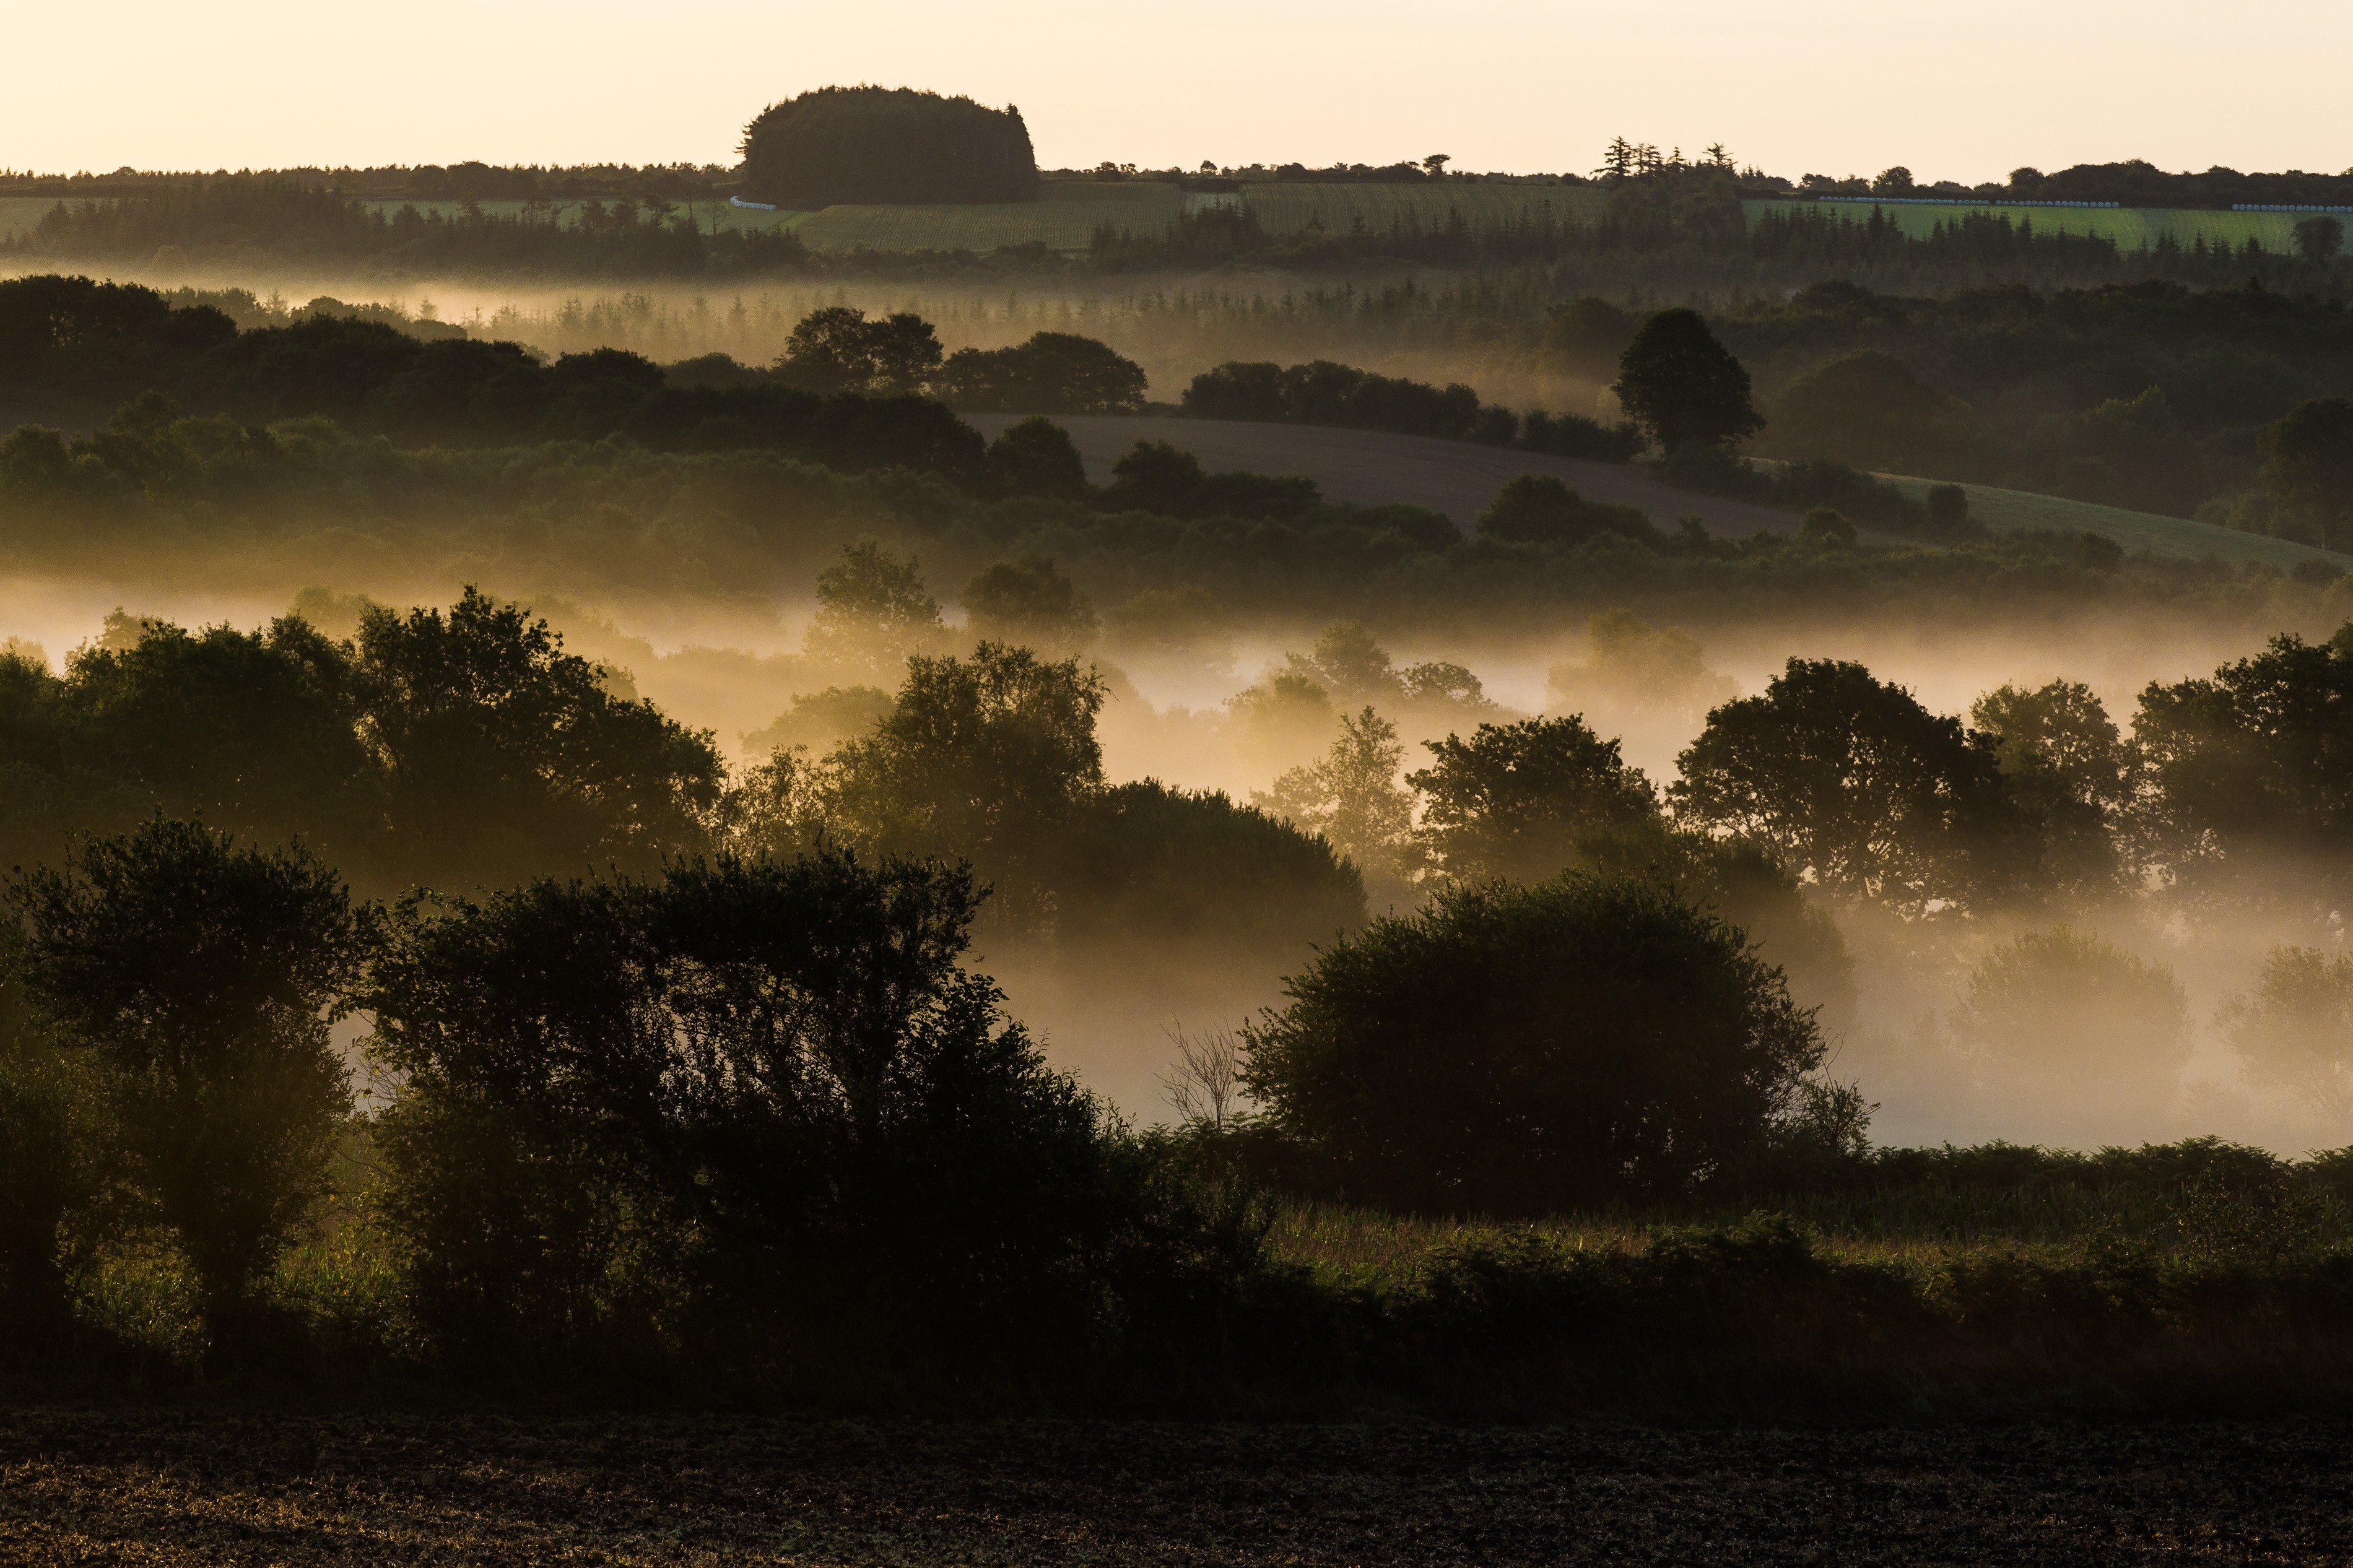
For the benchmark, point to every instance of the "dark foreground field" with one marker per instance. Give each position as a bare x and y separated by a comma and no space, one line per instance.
142,1486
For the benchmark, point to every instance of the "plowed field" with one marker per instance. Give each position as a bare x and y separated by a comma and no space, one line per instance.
132,1487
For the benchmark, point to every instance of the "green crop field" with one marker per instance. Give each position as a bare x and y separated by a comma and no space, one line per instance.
711,215
2130,227
2014,512
1287,206
1064,217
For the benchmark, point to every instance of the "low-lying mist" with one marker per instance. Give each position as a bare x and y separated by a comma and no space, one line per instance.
2111,1021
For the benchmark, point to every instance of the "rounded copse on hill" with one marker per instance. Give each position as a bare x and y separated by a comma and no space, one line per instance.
885,145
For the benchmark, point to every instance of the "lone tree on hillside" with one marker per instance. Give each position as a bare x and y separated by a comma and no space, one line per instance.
886,145
1680,384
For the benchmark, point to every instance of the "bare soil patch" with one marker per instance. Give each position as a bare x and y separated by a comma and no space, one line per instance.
148,1487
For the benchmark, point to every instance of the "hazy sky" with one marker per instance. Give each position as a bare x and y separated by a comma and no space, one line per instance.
1960,88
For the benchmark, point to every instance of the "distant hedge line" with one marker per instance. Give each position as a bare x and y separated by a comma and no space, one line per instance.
1323,393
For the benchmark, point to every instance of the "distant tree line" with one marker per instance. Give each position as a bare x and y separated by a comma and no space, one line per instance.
231,214
470,179
74,336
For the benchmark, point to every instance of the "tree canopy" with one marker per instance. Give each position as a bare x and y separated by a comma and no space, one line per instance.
1523,1048
874,144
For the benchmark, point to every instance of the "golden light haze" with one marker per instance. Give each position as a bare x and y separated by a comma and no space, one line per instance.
1828,86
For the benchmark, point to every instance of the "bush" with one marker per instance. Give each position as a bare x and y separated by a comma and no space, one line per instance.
1949,509
1819,483
1157,475
1036,457
1527,1048
1826,527
54,1144
753,1097
1536,509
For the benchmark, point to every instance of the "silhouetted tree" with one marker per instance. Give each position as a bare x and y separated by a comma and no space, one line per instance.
1515,800
1852,780
204,978
1678,383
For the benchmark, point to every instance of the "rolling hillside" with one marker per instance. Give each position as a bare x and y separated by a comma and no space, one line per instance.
1368,468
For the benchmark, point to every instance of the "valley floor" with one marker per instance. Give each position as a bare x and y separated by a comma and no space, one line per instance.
120,1485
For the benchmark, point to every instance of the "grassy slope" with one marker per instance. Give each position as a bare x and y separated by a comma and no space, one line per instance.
2130,227
1064,216
2012,512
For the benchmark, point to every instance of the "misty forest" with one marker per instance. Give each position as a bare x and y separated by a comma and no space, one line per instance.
884,778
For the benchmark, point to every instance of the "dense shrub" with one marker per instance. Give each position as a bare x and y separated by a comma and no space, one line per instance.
1536,509
1157,475
203,979
1523,1049
1821,482
752,1096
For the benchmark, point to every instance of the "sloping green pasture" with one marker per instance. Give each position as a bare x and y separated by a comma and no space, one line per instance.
1287,206
2017,511
2131,227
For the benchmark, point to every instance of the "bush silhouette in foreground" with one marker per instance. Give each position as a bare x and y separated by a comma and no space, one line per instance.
202,979
752,1092
1523,1050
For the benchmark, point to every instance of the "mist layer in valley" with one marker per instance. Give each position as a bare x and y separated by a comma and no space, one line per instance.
1200,702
